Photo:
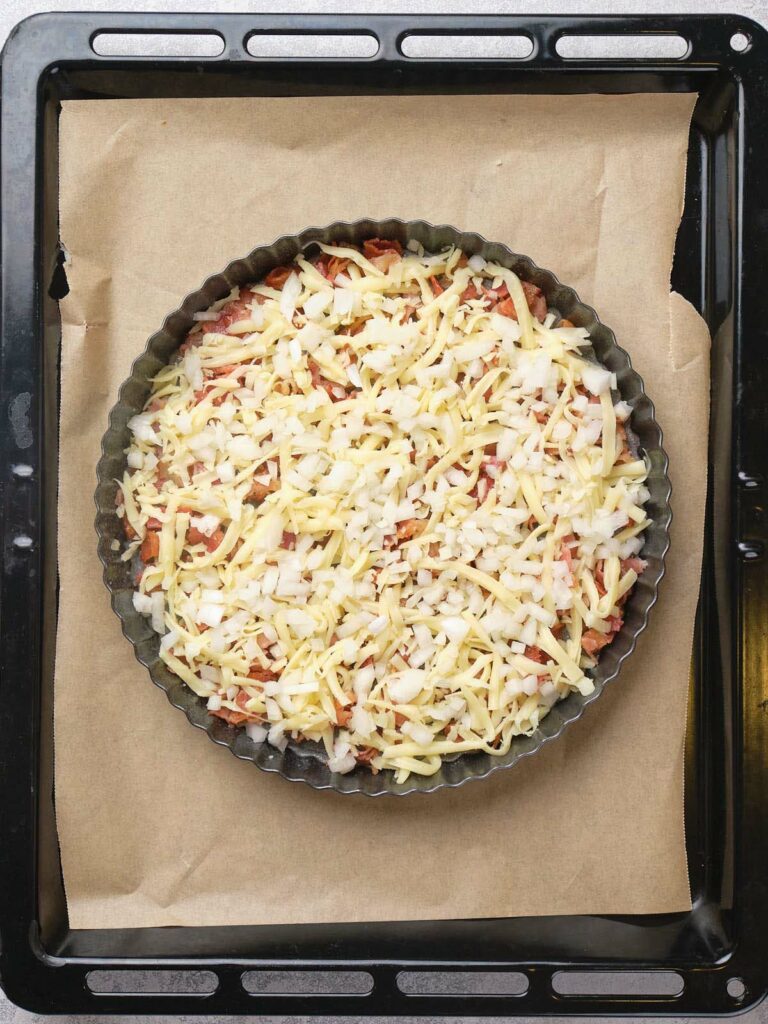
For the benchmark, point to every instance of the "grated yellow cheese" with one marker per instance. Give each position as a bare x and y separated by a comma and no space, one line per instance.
378,512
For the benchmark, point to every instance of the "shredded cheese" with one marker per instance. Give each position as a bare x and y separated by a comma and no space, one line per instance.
382,503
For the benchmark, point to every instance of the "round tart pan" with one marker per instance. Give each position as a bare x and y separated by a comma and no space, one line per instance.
306,762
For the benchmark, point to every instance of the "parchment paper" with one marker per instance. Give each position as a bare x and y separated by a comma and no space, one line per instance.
157,825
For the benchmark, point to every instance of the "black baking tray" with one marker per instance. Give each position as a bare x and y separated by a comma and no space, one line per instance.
718,953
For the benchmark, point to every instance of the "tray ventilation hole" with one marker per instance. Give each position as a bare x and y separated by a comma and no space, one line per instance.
152,983
303,45
315,983
736,989
599,984
158,44
650,46
466,47
740,42
462,983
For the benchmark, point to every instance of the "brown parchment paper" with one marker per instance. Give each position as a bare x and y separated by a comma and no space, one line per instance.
157,825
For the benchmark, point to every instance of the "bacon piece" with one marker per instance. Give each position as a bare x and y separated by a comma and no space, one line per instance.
400,719
469,293
224,371
374,247
535,654
534,297
366,755
262,675
566,323
565,553
288,540
230,717
351,330
228,314
321,265
337,265
194,536
259,491
599,578
385,261
277,277
150,547
191,341
128,530
409,528
343,714
435,285
214,540
592,641
336,392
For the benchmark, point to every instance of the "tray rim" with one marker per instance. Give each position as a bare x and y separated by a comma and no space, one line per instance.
27,970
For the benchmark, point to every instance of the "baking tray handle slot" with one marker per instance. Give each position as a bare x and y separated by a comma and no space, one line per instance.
645,46
174,44
152,983
618,984
448,46
312,45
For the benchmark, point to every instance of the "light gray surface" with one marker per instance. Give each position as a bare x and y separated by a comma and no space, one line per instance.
12,11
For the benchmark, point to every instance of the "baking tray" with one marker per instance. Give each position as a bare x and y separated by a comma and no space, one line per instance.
713,960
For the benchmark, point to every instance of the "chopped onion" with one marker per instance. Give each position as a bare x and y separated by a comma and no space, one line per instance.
255,731
404,686
596,380
158,611
288,296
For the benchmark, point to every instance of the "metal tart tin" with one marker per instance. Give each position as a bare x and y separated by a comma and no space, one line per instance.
306,762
